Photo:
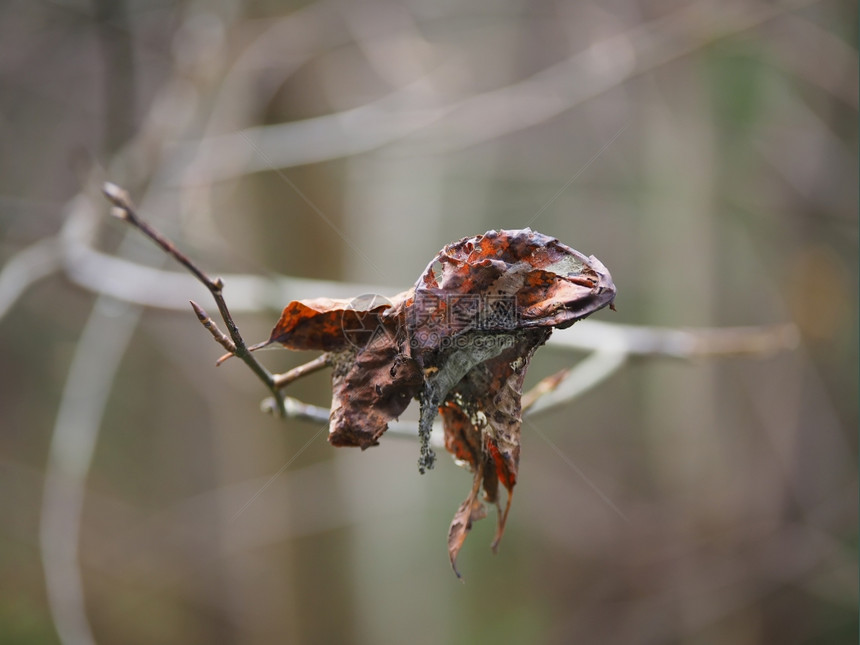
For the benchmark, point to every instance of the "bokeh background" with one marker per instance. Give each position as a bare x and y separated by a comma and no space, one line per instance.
705,151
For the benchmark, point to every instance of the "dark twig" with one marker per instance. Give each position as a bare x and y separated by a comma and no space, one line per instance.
220,337
320,362
124,210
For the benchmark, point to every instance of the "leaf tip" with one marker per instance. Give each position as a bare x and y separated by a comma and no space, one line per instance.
456,572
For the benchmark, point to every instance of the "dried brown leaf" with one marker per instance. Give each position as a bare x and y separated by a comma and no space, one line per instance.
459,341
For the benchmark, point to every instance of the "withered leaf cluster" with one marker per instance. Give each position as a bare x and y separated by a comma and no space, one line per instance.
459,342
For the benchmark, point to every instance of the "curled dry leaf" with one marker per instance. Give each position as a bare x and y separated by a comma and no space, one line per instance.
460,342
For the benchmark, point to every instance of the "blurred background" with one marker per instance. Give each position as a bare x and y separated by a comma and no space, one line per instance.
704,151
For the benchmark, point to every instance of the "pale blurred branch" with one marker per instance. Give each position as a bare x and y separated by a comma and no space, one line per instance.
690,343
97,357
99,350
27,267
585,375
131,282
413,116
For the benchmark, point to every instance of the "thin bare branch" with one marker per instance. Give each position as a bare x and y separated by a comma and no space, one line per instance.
584,376
543,387
124,209
296,409
220,337
320,362
551,392
706,342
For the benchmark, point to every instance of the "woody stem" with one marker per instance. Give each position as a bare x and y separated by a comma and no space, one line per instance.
124,209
